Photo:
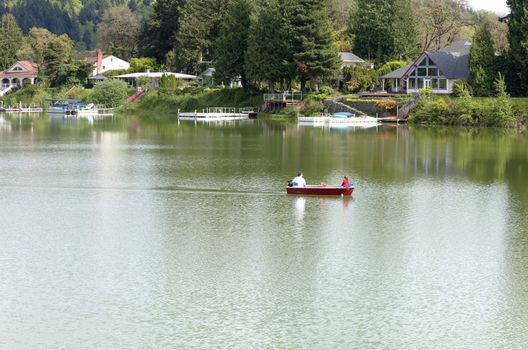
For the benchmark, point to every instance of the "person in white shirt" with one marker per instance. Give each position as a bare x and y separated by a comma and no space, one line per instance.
299,181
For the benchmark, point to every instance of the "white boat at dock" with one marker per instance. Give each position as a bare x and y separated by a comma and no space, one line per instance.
213,114
339,119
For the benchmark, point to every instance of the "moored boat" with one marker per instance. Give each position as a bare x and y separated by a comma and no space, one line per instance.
314,190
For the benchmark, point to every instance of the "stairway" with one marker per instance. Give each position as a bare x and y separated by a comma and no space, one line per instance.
140,92
4,90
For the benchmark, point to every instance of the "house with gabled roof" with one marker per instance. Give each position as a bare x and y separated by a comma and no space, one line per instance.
19,74
438,70
105,63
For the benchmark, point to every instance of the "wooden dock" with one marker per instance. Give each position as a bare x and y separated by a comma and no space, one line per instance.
393,119
213,114
277,101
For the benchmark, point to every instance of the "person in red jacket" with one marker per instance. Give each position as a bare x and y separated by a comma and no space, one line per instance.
346,182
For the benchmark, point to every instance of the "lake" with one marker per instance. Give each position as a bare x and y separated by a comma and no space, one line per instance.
144,234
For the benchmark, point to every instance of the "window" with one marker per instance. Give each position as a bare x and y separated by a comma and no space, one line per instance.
16,69
442,83
425,62
420,83
412,83
422,72
434,84
432,72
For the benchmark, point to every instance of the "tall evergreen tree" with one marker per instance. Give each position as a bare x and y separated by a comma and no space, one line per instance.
482,63
232,44
315,55
11,40
132,5
370,29
3,7
384,30
404,31
158,35
518,37
267,49
200,27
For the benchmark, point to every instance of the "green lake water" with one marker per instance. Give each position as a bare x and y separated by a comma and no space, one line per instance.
130,234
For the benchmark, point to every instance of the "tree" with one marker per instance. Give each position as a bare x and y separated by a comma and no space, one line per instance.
143,64
47,14
370,29
110,92
441,24
74,73
482,63
232,44
267,49
404,31
315,55
158,34
11,40
518,37
36,43
56,57
3,8
118,32
132,5
88,39
502,108
199,28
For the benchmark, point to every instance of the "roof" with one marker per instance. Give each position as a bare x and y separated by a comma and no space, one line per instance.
155,75
30,70
350,57
63,100
452,61
98,77
93,59
398,73
209,72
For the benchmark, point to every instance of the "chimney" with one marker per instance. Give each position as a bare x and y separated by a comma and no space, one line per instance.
99,61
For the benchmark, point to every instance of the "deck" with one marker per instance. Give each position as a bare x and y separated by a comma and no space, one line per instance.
218,114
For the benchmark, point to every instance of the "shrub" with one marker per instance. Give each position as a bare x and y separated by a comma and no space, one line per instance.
312,108
358,79
109,92
461,88
432,111
326,90
387,104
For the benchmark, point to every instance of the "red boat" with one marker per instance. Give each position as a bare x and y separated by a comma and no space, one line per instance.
320,191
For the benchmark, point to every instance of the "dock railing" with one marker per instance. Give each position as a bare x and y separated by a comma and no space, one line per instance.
284,96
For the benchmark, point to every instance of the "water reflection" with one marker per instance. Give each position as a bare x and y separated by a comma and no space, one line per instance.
97,233
300,207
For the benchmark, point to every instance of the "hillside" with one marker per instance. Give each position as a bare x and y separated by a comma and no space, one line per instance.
77,18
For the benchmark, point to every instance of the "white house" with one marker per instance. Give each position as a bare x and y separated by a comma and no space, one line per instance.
438,70
106,63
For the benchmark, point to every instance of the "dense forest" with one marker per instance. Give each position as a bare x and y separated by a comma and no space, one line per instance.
437,21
